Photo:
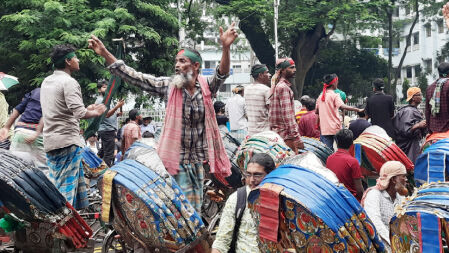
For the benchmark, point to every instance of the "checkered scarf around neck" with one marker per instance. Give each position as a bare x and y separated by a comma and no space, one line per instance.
435,101
170,141
267,142
327,85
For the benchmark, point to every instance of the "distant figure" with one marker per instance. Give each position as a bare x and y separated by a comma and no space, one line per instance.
360,124
327,107
148,139
308,123
410,125
148,125
131,131
107,130
222,120
257,100
380,108
303,110
92,143
345,166
236,111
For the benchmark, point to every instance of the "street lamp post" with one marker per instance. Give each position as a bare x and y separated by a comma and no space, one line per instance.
276,5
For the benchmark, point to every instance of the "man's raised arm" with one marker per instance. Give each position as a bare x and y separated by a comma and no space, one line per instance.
226,38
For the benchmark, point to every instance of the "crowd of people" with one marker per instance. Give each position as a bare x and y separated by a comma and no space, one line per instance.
47,127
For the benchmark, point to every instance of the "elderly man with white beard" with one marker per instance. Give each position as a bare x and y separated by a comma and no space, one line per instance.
190,138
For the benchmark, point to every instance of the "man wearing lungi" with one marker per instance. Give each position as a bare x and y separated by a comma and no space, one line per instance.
62,109
190,137
27,136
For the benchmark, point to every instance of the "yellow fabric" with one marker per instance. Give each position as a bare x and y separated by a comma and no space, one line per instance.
107,194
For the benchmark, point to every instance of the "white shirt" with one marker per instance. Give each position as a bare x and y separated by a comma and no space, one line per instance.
236,111
256,102
150,128
380,209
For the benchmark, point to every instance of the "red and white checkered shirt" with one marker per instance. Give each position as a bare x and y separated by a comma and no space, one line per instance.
282,112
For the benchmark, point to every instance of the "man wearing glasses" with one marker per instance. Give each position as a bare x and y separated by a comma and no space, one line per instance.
410,125
238,232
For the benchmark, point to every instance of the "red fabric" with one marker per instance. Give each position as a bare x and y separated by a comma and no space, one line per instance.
345,167
308,125
269,214
131,133
440,122
327,85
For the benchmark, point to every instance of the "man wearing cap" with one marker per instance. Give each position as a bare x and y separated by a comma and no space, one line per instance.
236,111
282,107
147,125
257,100
327,106
380,108
62,108
190,137
410,125
379,201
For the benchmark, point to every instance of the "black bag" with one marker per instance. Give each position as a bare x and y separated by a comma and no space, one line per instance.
239,209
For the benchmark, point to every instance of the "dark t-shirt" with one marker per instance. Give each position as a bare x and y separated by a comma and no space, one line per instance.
358,126
30,107
380,108
345,167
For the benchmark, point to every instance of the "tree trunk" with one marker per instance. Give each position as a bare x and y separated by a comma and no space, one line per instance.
389,12
305,51
409,35
258,39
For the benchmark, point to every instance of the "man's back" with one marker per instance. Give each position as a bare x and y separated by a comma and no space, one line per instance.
345,167
358,126
235,106
131,133
308,125
438,123
380,108
256,101
62,109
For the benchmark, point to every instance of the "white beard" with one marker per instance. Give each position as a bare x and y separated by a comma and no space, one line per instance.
180,80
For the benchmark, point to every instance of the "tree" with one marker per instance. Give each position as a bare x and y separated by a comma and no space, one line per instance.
304,27
30,28
355,69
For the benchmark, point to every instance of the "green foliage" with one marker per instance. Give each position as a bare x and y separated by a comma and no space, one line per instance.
423,82
405,87
30,28
355,69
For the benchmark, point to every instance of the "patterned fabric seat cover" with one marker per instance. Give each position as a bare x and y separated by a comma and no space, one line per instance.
432,164
28,194
422,222
148,205
373,148
310,214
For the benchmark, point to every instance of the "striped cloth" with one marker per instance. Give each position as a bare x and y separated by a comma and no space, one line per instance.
67,175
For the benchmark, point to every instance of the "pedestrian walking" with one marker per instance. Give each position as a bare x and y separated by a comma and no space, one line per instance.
236,112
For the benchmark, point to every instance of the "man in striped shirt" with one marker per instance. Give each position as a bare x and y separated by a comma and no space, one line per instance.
257,100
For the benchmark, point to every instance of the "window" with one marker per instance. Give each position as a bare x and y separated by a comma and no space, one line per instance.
408,40
416,38
237,66
396,12
428,30
209,64
440,26
407,10
428,65
409,72
417,70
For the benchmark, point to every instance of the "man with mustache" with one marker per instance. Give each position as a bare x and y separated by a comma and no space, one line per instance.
379,201
190,138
